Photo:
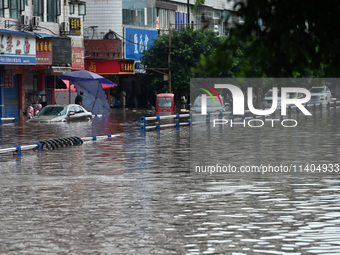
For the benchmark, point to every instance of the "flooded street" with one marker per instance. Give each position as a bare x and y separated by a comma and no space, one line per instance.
138,193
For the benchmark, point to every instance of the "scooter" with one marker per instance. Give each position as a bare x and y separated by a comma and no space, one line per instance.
32,110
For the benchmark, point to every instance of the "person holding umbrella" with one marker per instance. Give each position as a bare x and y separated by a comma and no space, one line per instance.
79,98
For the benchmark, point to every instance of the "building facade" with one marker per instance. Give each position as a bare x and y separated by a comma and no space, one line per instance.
40,39
118,31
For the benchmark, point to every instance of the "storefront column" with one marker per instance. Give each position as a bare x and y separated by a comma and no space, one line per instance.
1,102
22,96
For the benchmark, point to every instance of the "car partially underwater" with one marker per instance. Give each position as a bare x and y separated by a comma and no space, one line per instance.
213,104
62,113
320,95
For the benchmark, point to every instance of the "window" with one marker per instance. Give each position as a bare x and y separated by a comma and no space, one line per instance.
2,7
140,13
81,9
53,10
71,8
38,8
15,7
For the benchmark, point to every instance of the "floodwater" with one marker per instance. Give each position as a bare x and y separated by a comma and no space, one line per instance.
138,193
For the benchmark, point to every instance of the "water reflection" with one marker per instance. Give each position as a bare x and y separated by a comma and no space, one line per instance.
135,194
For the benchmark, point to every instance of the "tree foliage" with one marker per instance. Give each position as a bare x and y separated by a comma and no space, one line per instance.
281,39
187,46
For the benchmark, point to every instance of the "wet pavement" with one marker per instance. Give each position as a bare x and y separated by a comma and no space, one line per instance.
138,194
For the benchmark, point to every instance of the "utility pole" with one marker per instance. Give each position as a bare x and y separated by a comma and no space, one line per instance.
167,71
169,59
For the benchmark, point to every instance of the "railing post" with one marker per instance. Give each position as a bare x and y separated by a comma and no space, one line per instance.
190,119
231,116
207,118
177,120
264,116
220,115
18,150
142,123
158,122
39,147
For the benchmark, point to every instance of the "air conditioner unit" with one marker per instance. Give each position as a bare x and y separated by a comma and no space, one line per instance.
36,21
24,20
65,27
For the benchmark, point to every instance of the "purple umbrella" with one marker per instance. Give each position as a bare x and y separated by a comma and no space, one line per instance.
94,99
84,75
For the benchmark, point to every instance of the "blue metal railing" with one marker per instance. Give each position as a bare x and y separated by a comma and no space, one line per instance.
157,121
55,143
7,119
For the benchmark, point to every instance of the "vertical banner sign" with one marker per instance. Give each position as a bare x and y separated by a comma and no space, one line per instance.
138,40
44,51
8,79
78,58
75,26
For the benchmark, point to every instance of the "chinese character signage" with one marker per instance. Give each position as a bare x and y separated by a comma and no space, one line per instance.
17,49
8,79
78,58
110,66
75,26
44,51
138,40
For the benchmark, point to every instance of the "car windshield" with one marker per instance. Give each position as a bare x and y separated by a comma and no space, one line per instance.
316,90
210,101
164,102
269,93
50,111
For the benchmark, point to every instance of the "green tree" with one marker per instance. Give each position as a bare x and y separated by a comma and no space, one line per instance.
281,39
187,46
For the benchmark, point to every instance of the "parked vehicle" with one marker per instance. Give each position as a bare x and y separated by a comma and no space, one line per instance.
62,113
213,105
165,103
268,99
320,94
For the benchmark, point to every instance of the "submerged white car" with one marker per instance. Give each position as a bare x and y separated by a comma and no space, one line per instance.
320,95
213,105
62,113
268,98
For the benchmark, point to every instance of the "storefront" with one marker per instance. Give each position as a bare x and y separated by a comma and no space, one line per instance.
18,52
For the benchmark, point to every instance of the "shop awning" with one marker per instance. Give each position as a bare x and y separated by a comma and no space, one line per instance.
44,35
39,35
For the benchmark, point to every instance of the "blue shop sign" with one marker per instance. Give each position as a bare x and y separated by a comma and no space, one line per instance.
138,40
17,49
